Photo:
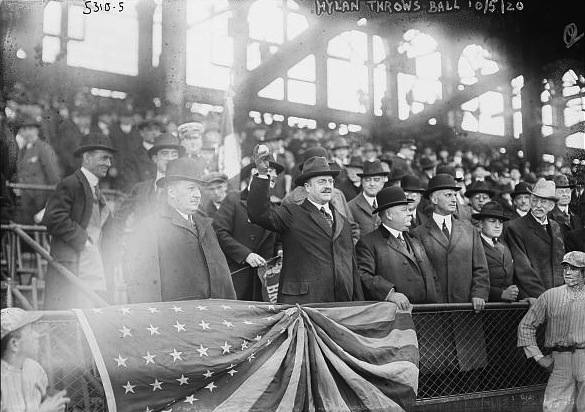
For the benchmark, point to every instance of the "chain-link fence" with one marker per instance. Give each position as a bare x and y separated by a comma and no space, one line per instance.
462,353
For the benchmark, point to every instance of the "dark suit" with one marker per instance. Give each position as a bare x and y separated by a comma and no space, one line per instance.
138,167
238,237
67,217
319,261
575,240
566,222
362,214
501,267
385,263
210,209
171,259
537,255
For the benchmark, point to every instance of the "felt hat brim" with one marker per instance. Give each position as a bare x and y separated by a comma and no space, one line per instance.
301,180
479,216
88,148
388,205
428,192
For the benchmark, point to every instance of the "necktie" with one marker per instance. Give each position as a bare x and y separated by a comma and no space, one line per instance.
99,196
375,204
327,217
445,230
403,241
496,240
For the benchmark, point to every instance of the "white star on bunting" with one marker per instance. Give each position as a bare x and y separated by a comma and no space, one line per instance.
125,311
98,310
226,348
153,330
244,345
180,326
251,357
121,361
148,358
271,307
251,306
202,351
125,331
208,374
227,324
148,409
153,310
249,322
225,307
231,372
129,387
190,399
202,307
269,318
183,380
268,342
231,366
177,309
176,355
258,338
204,325
156,385
211,387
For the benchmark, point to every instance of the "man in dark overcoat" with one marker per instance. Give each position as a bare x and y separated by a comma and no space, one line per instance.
521,200
246,245
537,245
561,213
319,262
138,165
393,265
79,222
175,255
373,178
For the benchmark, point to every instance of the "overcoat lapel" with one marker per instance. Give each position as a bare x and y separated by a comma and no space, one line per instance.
317,217
395,244
456,233
436,233
338,222
538,229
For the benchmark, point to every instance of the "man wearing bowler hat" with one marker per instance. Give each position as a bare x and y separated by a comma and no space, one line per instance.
536,243
138,165
521,200
318,257
478,194
372,178
413,190
405,157
393,265
561,213
491,220
78,220
175,254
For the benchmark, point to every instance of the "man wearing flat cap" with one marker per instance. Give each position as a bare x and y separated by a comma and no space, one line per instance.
318,257
175,254
393,265
536,243
215,191
246,245
562,308
372,178
78,220
561,213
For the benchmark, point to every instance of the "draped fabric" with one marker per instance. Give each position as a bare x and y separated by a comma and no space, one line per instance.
227,355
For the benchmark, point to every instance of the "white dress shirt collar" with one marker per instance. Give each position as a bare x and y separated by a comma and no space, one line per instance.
489,240
91,178
318,206
369,199
396,233
521,213
439,219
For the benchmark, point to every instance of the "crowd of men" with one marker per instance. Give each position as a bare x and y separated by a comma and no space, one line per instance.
349,223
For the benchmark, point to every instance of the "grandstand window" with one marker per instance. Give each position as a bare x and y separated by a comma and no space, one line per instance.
574,110
157,33
209,51
517,85
275,90
302,122
423,86
576,140
547,110
301,86
475,60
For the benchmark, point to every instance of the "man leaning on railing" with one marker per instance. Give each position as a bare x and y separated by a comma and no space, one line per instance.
563,310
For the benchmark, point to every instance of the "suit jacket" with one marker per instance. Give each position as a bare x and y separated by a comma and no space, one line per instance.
460,261
537,255
67,217
501,267
238,237
384,263
138,167
567,223
362,213
319,262
575,240
169,258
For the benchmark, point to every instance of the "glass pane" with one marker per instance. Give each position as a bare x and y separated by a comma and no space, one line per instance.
200,10
304,70
379,49
429,66
405,83
253,56
51,47
274,90
52,18
347,85
547,130
469,122
301,92
491,125
547,114
265,21
156,43
491,103
222,51
517,124
349,45
574,113
576,140
296,24
380,87
75,22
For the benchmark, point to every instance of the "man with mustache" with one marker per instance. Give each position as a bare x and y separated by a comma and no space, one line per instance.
537,245
563,310
175,255
319,262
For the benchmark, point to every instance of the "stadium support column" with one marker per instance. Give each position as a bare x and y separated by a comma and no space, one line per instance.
238,30
149,86
531,119
173,57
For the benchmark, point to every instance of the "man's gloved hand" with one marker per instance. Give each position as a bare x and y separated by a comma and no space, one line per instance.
261,156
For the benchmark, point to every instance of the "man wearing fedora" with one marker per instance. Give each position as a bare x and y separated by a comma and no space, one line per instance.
78,220
348,180
521,200
338,200
246,245
536,243
319,261
393,265
175,255
428,168
561,213
478,194
404,157
146,196
372,178
491,220
138,165
413,190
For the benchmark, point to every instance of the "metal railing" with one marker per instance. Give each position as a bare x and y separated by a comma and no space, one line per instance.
69,364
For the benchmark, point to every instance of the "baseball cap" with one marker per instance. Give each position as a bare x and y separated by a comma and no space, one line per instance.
575,258
15,318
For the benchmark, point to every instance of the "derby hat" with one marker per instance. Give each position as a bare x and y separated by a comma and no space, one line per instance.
94,141
246,170
183,168
410,183
340,143
315,152
478,187
166,141
440,182
426,163
273,134
450,170
397,174
407,143
390,196
315,166
372,168
562,182
544,189
521,188
12,319
491,209
356,162
149,123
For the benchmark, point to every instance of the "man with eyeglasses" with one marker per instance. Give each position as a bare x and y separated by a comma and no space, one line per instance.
478,194
536,243
563,310
319,263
